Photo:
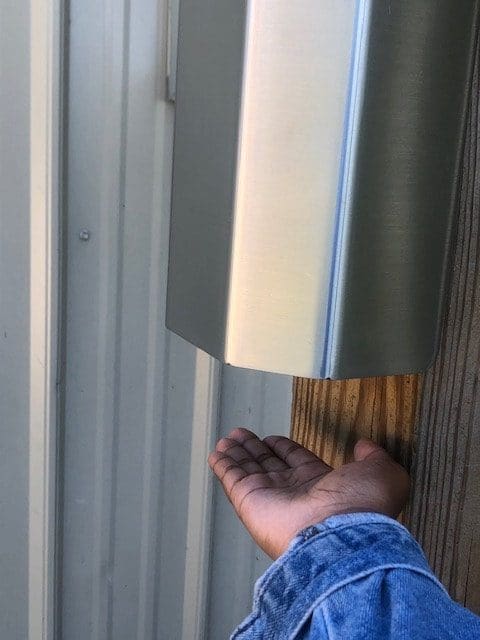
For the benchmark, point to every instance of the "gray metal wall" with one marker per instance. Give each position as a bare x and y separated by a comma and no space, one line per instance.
30,78
103,442
149,547
14,318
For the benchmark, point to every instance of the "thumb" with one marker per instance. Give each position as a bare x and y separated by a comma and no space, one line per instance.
368,449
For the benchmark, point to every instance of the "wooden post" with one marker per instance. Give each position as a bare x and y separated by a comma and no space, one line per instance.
445,510
436,431
329,416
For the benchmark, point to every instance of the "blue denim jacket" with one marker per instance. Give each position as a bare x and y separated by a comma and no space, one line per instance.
355,576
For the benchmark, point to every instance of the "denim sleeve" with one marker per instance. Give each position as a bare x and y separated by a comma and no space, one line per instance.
355,576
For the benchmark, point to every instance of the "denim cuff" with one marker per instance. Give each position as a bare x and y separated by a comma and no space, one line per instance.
322,559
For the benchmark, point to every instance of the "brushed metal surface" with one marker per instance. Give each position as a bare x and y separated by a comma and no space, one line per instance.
295,86
397,202
211,39
315,160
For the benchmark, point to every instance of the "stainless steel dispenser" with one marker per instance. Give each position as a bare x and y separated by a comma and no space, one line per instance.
315,161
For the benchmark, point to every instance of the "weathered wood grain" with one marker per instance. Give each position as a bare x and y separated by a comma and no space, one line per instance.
329,416
445,510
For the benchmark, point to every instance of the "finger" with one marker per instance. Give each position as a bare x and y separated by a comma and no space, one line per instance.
241,456
227,470
292,453
259,450
365,448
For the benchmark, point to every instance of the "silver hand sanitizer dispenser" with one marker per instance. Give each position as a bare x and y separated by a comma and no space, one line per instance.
315,161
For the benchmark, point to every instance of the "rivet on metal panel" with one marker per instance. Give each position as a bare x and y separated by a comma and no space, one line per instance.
84,235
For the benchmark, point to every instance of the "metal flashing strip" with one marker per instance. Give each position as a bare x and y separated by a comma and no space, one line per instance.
315,164
46,88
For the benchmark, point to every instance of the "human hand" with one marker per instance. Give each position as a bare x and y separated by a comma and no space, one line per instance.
278,487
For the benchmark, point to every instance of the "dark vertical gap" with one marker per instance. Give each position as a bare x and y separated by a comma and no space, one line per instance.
62,316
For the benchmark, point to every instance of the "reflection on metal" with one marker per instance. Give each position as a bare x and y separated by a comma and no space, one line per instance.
315,160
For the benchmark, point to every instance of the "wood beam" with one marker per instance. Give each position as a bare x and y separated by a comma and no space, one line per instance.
329,416
445,510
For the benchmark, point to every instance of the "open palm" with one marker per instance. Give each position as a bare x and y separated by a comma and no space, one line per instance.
278,487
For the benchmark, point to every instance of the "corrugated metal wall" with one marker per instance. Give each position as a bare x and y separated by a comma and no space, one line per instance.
14,318
149,547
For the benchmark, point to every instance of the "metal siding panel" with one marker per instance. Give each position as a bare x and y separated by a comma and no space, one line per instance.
179,463
46,195
94,160
30,87
260,401
141,404
14,315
